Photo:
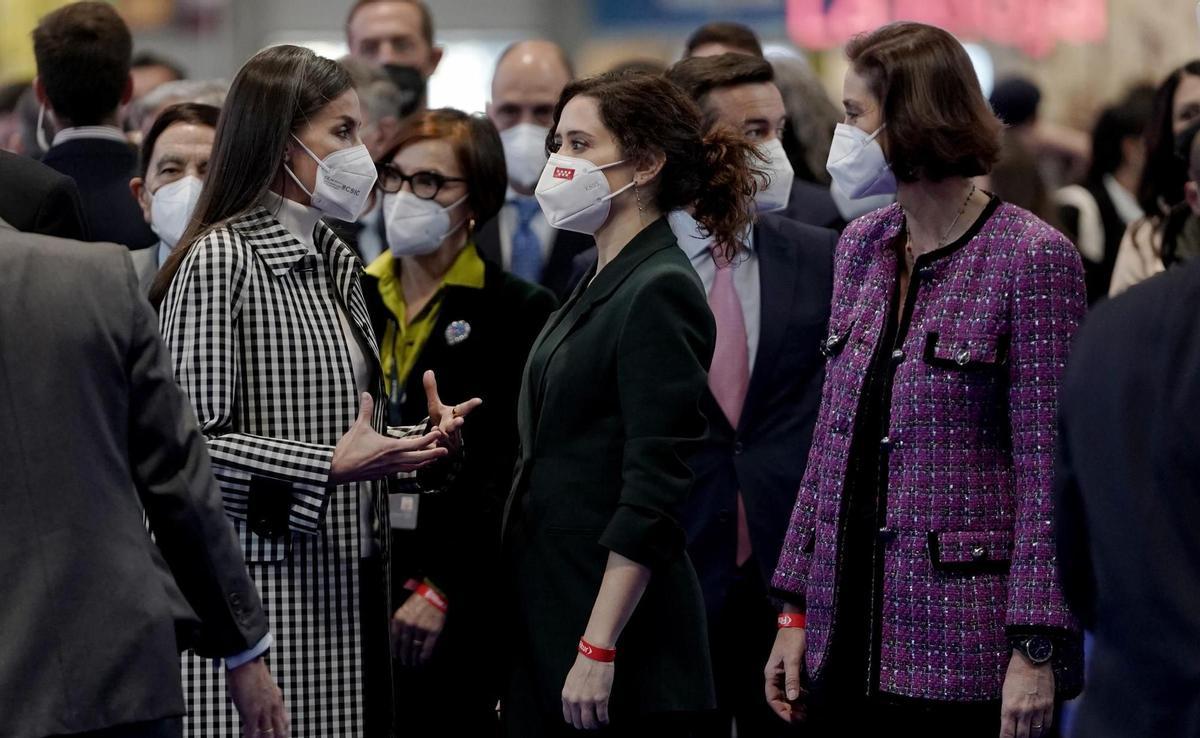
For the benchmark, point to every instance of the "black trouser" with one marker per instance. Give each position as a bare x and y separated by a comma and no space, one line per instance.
741,635
374,617
165,728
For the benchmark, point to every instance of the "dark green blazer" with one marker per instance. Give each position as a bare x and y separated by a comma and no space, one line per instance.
609,411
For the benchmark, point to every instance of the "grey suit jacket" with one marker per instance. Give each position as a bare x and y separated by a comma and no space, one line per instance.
94,431
145,265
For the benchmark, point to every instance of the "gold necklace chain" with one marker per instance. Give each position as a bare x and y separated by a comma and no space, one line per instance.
945,236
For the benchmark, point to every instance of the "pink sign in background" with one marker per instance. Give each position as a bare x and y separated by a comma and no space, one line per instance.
1034,26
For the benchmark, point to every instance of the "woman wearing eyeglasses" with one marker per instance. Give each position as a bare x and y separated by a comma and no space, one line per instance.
435,304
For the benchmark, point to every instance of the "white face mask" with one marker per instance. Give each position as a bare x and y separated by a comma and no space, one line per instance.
524,153
416,227
857,164
171,208
344,181
574,194
778,190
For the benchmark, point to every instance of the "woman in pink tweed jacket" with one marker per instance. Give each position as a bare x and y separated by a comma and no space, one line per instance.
920,548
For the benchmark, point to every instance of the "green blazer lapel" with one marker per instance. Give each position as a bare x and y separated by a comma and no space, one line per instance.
587,297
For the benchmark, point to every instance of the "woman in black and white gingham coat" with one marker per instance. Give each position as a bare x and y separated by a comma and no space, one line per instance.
270,337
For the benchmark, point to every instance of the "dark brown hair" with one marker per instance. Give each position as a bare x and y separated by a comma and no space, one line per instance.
712,172
272,96
197,114
729,34
83,52
422,8
476,145
938,123
700,75
1161,186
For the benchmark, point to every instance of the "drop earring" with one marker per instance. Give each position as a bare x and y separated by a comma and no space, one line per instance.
637,194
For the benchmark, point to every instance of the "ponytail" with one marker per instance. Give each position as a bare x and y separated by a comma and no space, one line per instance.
724,206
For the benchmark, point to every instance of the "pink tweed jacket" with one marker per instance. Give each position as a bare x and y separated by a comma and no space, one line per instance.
968,548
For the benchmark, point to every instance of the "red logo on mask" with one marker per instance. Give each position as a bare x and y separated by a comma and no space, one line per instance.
564,173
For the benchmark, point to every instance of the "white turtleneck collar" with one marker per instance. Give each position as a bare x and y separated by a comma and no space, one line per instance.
299,220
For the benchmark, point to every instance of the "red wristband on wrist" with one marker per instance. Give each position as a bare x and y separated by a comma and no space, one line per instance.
595,653
430,595
792,620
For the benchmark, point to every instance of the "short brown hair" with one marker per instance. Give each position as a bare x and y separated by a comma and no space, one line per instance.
83,51
725,33
700,75
938,123
422,8
477,146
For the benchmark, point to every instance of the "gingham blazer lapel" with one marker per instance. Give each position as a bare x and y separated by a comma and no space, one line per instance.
345,270
271,242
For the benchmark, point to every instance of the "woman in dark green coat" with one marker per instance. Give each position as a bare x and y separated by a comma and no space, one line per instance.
609,628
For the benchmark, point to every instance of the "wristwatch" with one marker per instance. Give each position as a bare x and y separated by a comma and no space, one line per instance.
1038,649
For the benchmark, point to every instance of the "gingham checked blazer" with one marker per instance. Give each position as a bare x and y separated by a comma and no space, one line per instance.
251,322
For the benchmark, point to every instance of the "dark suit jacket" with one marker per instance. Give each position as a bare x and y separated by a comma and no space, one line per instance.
766,457
94,430
557,275
37,199
609,411
1128,497
813,204
102,170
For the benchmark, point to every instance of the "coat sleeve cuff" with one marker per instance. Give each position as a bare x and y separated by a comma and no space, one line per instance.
643,537
245,657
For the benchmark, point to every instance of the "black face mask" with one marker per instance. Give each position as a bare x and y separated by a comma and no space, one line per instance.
411,84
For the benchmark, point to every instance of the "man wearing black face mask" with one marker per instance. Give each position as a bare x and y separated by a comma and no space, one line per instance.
396,35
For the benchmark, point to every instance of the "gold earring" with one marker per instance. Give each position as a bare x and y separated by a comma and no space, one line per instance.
638,195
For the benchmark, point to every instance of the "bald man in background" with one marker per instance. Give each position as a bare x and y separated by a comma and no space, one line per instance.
529,78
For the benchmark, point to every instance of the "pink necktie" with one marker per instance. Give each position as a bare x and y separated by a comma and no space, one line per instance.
730,372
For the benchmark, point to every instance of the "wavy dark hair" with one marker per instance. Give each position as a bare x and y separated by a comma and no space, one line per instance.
711,172
1161,186
273,95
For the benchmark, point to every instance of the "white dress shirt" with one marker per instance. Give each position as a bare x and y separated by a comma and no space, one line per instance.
698,248
105,132
301,222
1125,203
508,226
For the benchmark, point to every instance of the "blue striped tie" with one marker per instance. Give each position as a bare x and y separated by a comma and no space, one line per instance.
526,246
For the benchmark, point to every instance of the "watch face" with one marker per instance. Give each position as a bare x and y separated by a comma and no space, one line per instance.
1039,649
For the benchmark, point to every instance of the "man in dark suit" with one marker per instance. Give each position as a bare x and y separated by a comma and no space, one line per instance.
529,78
94,435
762,402
83,54
38,199
1128,496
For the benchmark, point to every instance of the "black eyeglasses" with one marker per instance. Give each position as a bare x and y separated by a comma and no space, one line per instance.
425,185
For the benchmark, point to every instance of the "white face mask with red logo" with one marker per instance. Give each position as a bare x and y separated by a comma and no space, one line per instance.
574,193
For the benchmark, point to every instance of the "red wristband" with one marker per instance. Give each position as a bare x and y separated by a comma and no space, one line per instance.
792,620
431,596
595,653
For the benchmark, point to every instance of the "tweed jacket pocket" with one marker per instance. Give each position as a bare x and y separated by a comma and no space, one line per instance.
966,351
971,552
